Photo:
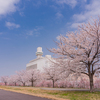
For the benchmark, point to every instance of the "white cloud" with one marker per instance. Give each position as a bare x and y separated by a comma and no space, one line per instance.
12,25
1,33
59,15
8,6
22,13
37,3
90,10
75,25
72,3
35,31
58,38
30,32
6,38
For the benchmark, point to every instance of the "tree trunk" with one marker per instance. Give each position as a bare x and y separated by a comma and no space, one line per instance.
53,83
91,83
23,84
32,83
5,83
15,83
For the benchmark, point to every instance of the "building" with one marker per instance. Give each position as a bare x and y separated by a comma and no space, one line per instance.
40,62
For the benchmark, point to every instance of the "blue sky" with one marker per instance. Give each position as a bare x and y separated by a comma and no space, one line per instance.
28,24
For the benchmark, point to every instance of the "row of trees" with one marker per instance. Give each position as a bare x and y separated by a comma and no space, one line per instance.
31,77
77,54
50,78
21,78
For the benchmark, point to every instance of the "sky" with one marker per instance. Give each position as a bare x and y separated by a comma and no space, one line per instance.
28,24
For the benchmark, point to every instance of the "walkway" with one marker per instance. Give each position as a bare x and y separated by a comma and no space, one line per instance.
7,95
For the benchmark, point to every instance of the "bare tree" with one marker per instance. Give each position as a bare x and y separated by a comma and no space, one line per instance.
82,50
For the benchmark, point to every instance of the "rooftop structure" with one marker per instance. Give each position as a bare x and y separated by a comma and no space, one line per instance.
40,62
39,52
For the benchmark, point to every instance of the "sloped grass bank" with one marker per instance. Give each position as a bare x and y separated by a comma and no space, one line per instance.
55,95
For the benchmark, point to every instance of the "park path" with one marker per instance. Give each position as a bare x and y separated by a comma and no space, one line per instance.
8,95
67,89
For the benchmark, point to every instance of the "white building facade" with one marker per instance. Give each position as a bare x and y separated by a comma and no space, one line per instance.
40,62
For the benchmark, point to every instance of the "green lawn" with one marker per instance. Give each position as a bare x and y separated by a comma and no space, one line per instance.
55,95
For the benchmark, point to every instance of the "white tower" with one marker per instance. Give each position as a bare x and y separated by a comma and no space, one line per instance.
39,52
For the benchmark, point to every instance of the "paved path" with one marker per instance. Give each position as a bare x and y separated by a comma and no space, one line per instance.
67,89
7,95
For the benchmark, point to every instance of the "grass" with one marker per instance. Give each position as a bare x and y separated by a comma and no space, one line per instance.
55,95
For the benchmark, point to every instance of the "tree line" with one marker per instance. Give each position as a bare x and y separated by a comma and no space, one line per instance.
77,53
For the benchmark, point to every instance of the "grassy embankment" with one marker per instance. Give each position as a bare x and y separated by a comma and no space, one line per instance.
55,95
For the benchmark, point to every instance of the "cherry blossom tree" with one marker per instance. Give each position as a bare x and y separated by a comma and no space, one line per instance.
4,79
97,83
22,77
82,50
13,79
33,76
52,73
